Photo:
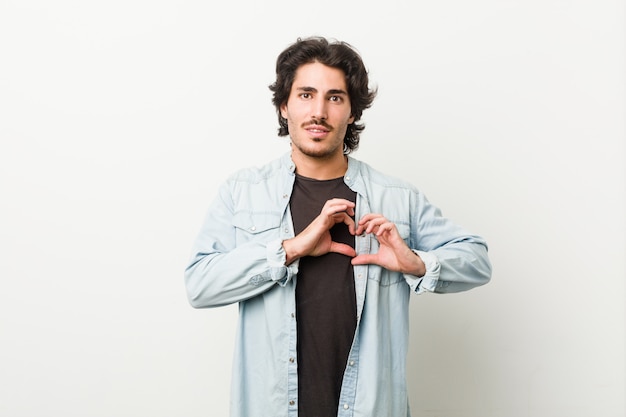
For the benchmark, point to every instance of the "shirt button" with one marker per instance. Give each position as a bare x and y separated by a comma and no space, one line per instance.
351,363
346,406
253,228
292,360
292,402
347,178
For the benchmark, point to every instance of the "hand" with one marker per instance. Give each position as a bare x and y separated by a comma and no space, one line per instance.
315,240
393,252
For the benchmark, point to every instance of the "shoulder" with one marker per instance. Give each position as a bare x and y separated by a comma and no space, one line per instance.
397,199
262,173
373,177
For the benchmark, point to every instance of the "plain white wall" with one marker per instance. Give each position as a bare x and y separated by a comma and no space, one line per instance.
119,119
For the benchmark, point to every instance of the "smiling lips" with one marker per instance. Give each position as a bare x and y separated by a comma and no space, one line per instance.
318,128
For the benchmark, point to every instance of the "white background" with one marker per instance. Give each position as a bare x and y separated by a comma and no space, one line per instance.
119,119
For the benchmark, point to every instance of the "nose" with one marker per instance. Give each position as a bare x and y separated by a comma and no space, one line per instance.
318,108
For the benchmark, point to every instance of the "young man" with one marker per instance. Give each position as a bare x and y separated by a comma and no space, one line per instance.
322,252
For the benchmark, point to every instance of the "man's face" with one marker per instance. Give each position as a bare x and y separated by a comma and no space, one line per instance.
318,111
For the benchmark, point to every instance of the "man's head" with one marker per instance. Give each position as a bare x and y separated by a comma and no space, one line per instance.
339,55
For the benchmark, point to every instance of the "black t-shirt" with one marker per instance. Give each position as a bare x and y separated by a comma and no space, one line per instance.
325,303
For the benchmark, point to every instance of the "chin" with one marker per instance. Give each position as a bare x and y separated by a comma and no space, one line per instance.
322,153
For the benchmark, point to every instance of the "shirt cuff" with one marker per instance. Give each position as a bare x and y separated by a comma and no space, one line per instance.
428,282
276,258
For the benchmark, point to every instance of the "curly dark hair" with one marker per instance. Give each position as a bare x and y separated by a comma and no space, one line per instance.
336,54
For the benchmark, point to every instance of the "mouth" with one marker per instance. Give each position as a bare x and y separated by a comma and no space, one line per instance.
316,132
317,129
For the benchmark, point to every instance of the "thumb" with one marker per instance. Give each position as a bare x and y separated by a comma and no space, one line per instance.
365,259
342,248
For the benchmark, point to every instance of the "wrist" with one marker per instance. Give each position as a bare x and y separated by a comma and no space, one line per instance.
290,251
419,267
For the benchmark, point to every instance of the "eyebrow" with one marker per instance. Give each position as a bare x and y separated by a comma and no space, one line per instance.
334,91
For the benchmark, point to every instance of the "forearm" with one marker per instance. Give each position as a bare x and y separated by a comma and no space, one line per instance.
216,279
464,266
456,259
455,267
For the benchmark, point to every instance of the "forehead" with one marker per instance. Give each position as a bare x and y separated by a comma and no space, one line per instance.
320,77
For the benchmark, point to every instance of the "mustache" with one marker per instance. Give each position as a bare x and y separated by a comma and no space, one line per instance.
317,122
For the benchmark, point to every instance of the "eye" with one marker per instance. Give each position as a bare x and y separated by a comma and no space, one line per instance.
305,95
336,99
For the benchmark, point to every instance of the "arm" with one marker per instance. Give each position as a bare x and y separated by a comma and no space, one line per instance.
222,270
442,257
459,259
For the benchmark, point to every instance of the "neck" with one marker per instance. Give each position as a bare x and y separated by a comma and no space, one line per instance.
320,168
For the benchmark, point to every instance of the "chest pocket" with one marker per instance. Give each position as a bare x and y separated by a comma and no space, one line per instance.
404,231
251,225
382,276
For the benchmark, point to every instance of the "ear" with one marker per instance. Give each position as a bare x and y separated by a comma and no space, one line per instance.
351,120
283,110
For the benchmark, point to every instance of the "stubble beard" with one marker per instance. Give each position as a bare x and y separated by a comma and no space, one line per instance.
318,153
322,152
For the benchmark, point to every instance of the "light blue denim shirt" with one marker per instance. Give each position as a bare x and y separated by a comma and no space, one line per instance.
238,258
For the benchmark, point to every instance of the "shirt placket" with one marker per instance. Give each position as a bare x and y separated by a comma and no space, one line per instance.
347,397
287,232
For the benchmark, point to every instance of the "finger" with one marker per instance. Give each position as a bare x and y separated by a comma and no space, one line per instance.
374,224
364,223
345,218
365,259
362,229
368,217
339,202
343,209
385,227
342,248
331,210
